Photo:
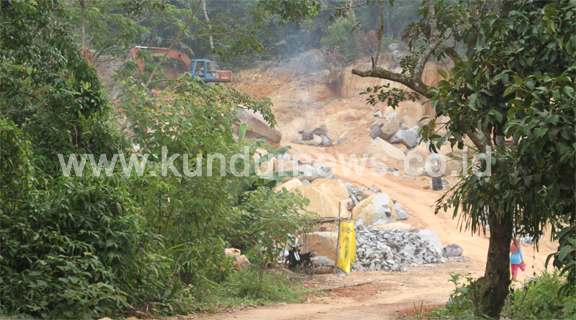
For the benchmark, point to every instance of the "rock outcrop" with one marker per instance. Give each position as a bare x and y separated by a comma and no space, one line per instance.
375,210
257,127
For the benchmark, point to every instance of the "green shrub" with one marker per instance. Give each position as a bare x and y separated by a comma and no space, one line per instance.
539,299
245,287
461,304
339,36
70,250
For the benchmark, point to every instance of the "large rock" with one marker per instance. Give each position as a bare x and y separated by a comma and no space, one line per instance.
366,194
376,124
408,137
240,259
324,243
315,171
389,129
321,203
401,147
287,165
376,208
408,122
375,132
320,131
315,141
290,184
257,127
332,188
417,159
401,213
452,250
381,147
432,237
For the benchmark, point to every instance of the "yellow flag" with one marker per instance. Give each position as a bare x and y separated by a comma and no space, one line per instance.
347,252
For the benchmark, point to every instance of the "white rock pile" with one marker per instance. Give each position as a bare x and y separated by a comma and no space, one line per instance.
392,250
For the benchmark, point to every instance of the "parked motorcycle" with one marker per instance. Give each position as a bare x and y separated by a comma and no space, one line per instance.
300,262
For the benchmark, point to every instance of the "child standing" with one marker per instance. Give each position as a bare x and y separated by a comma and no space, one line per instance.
515,258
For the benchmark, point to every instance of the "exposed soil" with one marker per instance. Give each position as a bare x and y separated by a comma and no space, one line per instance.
331,98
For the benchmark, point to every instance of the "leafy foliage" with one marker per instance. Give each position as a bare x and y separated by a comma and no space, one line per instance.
538,298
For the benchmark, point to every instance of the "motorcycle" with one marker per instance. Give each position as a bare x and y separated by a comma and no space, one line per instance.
300,262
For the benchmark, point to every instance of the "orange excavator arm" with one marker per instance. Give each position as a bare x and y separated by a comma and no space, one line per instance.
159,52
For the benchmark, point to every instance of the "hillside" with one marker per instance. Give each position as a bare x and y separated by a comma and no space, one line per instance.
304,100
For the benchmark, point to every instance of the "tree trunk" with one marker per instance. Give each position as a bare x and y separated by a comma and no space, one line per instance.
83,22
493,286
209,25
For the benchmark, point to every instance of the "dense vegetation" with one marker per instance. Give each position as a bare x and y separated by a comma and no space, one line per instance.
82,236
115,238
537,298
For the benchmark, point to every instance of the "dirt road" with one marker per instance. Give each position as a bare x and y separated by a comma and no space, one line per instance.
365,295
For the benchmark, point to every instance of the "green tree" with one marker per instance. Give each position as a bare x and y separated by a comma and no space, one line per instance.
516,80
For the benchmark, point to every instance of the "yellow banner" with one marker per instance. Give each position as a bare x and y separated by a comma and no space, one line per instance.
347,252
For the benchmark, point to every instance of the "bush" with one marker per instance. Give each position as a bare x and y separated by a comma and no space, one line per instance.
70,250
539,299
245,287
461,304
339,36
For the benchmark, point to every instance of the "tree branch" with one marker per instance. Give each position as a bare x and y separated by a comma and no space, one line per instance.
433,42
412,83
174,42
453,54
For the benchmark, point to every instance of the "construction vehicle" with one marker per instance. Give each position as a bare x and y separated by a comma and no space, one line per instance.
204,69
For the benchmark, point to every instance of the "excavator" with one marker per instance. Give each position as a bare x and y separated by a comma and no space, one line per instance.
204,69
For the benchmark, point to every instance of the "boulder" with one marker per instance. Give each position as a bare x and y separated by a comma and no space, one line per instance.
401,147
314,141
408,137
381,147
257,127
389,129
366,194
394,115
376,208
452,250
314,171
432,237
346,207
326,141
323,261
320,131
289,185
375,132
324,205
306,135
240,259
453,167
323,265
288,165
324,243
408,122
401,214
332,188
376,124
417,159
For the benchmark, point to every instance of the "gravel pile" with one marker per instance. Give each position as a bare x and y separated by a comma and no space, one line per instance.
392,250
